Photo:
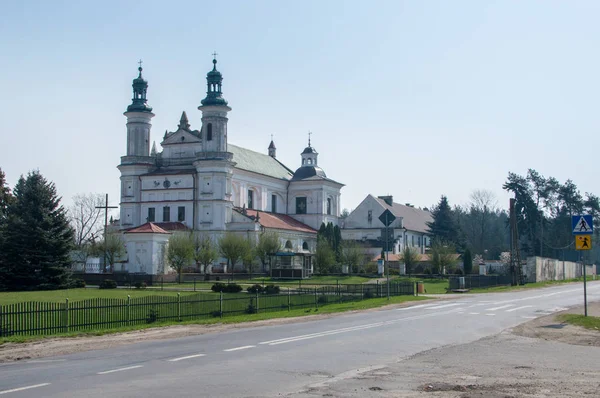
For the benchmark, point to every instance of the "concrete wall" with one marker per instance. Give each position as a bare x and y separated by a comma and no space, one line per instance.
539,269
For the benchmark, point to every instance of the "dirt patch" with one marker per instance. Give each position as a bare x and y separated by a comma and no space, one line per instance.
550,328
68,345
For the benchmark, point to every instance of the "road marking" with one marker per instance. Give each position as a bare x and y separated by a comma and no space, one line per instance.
120,369
352,329
414,307
186,357
529,317
500,308
519,308
491,314
443,306
473,313
239,348
24,388
46,360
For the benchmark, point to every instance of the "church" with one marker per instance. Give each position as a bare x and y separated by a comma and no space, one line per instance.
200,182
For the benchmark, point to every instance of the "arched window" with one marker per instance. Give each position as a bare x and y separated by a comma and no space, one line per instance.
329,206
305,246
288,245
209,132
250,199
303,161
309,160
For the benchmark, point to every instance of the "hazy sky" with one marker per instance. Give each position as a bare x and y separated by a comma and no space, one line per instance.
410,98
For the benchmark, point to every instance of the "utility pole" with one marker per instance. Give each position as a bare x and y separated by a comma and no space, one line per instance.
387,248
106,207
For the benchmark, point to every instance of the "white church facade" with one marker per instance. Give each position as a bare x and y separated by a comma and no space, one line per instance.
200,182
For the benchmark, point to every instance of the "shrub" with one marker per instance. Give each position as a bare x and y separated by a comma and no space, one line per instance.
368,294
152,316
108,284
216,314
232,288
78,283
322,300
218,287
141,285
255,289
271,289
251,309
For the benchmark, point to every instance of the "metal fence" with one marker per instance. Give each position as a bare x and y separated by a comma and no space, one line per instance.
481,281
42,318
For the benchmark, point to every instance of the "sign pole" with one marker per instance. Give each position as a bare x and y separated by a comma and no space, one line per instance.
387,263
584,285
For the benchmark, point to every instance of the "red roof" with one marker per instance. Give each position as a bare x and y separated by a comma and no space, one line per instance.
157,228
280,221
172,226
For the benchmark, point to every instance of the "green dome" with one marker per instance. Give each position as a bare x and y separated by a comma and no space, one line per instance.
214,79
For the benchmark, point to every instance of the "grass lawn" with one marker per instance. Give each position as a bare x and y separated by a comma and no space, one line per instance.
432,286
536,285
330,308
589,322
59,296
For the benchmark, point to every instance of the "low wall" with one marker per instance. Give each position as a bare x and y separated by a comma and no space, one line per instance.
540,269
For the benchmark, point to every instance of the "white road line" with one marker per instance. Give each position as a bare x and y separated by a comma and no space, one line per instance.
24,388
491,314
240,348
473,313
186,357
519,308
120,369
414,307
443,306
500,308
529,317
351,329
46,360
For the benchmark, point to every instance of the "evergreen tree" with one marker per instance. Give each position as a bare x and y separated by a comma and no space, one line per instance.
37,238
444,227
5,196
467,262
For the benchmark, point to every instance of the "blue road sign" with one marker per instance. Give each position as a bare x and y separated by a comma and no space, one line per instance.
583,224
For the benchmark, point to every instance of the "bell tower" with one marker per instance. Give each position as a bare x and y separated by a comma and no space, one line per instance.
214,164
139,114
214,113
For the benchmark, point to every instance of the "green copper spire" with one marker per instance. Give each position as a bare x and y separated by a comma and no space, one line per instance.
214,79
139,101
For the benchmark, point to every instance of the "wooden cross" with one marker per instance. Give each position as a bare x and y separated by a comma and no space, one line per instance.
309,134
214,54
106,207
140,62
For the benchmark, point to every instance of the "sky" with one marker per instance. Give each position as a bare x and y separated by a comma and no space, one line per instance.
414,99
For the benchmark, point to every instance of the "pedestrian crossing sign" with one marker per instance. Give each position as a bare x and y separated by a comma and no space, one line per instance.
582,225
583,242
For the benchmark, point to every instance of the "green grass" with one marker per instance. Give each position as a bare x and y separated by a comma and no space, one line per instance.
432,286
59,296
526,286
589,322
327,309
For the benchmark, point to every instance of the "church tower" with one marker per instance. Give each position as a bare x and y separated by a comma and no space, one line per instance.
139,115
137,160
214,165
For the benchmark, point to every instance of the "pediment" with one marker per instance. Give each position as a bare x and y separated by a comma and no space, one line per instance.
181,136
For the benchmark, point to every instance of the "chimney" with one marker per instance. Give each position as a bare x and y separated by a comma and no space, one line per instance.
389,199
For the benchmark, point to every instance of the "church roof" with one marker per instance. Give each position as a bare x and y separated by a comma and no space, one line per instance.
260,163
305,172
157,228
279,221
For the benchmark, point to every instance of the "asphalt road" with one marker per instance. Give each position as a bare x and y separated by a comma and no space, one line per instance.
283,359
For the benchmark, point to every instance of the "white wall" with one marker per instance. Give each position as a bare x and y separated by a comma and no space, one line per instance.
539,269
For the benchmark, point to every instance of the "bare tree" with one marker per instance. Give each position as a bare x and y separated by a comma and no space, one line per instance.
268,243
205,252
410,256
85,218
180,251
351,255
111,248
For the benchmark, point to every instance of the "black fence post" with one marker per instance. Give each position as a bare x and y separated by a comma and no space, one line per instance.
221,304
289,299
194,284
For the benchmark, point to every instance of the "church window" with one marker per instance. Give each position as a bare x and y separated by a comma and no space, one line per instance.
151,214
412,239
309,160
166,213
303,162
181,213
305,246
250,199
329,206
209,132
273,203
301,205
288,245
370,216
